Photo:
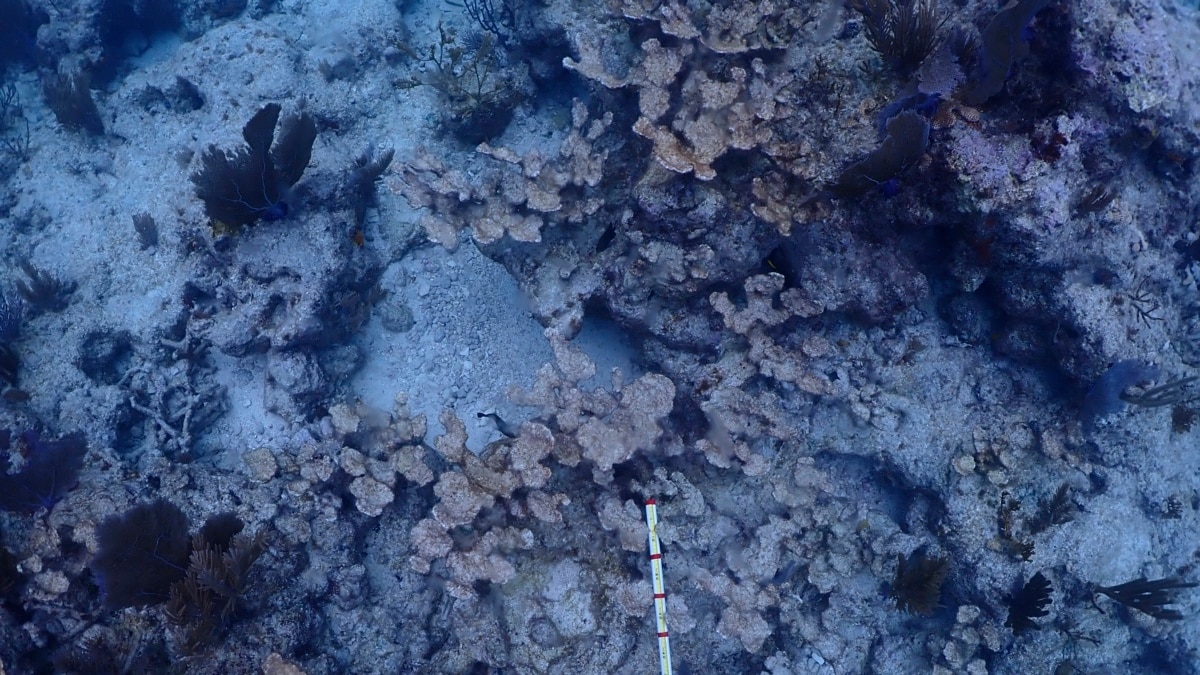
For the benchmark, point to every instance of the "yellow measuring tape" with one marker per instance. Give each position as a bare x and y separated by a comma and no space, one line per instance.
660,594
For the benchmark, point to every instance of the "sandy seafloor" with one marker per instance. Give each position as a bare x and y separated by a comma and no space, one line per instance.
443,422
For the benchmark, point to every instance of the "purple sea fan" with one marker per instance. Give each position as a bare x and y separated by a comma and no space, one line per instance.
51,469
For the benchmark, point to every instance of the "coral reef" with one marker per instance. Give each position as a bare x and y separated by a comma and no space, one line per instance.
890,306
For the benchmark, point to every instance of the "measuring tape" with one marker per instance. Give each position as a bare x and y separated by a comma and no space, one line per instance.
660,594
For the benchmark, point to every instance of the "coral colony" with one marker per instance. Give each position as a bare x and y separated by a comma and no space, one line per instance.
599,336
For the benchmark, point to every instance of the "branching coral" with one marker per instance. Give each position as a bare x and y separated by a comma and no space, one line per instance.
601,426
718,115
734,415
745,603
473,485
517,196
177,402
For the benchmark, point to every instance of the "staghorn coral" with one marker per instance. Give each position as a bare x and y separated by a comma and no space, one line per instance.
175,402
815,481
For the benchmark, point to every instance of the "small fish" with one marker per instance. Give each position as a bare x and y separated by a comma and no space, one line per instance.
503,427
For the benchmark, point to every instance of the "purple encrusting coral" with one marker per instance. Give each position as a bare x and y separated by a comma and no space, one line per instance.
823,279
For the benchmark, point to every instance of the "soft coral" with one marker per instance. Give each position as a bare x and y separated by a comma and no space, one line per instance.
241,186
51,469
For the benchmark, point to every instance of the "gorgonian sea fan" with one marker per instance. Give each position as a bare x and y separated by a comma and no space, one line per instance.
51,469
